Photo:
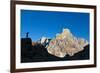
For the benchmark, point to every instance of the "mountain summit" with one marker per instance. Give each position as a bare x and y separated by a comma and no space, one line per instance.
66,44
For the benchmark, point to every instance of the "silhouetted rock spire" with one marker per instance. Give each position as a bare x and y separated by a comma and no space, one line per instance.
27,34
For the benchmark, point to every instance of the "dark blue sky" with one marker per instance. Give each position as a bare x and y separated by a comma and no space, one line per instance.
49,23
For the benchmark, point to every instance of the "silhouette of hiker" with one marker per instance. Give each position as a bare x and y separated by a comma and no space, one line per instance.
27,34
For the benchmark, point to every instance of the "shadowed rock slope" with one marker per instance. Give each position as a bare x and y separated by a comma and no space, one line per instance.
35,52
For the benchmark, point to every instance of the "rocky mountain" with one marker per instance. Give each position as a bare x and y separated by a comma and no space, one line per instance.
44,41
66,43
35,52
65,46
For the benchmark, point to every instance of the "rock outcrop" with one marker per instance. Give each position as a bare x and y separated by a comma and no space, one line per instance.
26,47
66,44
44,41
36,52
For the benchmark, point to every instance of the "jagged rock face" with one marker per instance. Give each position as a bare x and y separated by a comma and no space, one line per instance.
66,44
44,41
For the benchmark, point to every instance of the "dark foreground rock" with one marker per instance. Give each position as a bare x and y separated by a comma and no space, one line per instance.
38,53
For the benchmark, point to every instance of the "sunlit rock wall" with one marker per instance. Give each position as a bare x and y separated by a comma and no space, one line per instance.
66,44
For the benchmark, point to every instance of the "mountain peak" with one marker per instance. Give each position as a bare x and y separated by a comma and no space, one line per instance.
65,30
65,43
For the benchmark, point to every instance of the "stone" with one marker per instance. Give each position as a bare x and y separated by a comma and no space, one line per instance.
44,41
66,44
